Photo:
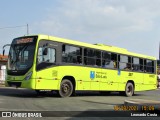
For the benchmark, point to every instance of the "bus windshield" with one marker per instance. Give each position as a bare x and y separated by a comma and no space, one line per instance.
21,54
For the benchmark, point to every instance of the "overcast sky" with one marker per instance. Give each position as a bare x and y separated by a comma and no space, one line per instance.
130,24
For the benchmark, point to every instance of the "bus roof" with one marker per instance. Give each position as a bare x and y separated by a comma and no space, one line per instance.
95,46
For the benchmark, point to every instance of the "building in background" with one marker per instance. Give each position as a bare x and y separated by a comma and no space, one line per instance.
3,62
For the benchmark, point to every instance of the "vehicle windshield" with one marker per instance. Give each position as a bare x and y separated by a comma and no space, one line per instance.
21,54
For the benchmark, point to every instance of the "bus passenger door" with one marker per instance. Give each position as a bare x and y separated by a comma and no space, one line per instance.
46,65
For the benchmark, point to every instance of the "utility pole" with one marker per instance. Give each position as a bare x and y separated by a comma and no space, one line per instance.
159,51
27,29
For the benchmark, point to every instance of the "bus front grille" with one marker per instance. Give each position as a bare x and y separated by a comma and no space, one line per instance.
14,84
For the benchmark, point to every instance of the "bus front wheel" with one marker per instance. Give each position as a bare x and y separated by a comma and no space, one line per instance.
66,88
129,90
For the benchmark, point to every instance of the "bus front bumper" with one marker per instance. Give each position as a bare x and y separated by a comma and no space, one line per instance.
21,84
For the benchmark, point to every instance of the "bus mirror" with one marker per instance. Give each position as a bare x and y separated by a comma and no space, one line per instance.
4,47
45,51
3,52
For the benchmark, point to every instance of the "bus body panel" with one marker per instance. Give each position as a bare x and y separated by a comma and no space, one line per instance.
109,80
149,82
47,79
96,79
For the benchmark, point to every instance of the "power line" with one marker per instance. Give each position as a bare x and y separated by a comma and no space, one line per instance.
27,26
13,27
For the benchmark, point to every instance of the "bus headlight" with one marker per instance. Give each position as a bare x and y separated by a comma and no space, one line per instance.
28,76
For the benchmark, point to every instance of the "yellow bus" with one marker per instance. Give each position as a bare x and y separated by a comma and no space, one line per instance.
42,63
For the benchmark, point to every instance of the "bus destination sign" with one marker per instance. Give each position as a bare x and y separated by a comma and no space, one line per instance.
24,40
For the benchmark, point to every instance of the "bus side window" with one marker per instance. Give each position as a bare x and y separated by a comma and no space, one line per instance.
46,56
124,62
115,64
98,62
71,54
114,59
85,61
40,56
79,60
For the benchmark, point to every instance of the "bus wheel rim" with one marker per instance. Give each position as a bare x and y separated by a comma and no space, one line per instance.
129,89
65,88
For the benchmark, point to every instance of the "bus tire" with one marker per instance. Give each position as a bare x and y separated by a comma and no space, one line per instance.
129,90
66,88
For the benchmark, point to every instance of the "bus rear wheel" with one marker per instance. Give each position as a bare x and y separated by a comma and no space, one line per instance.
129,90
66,88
